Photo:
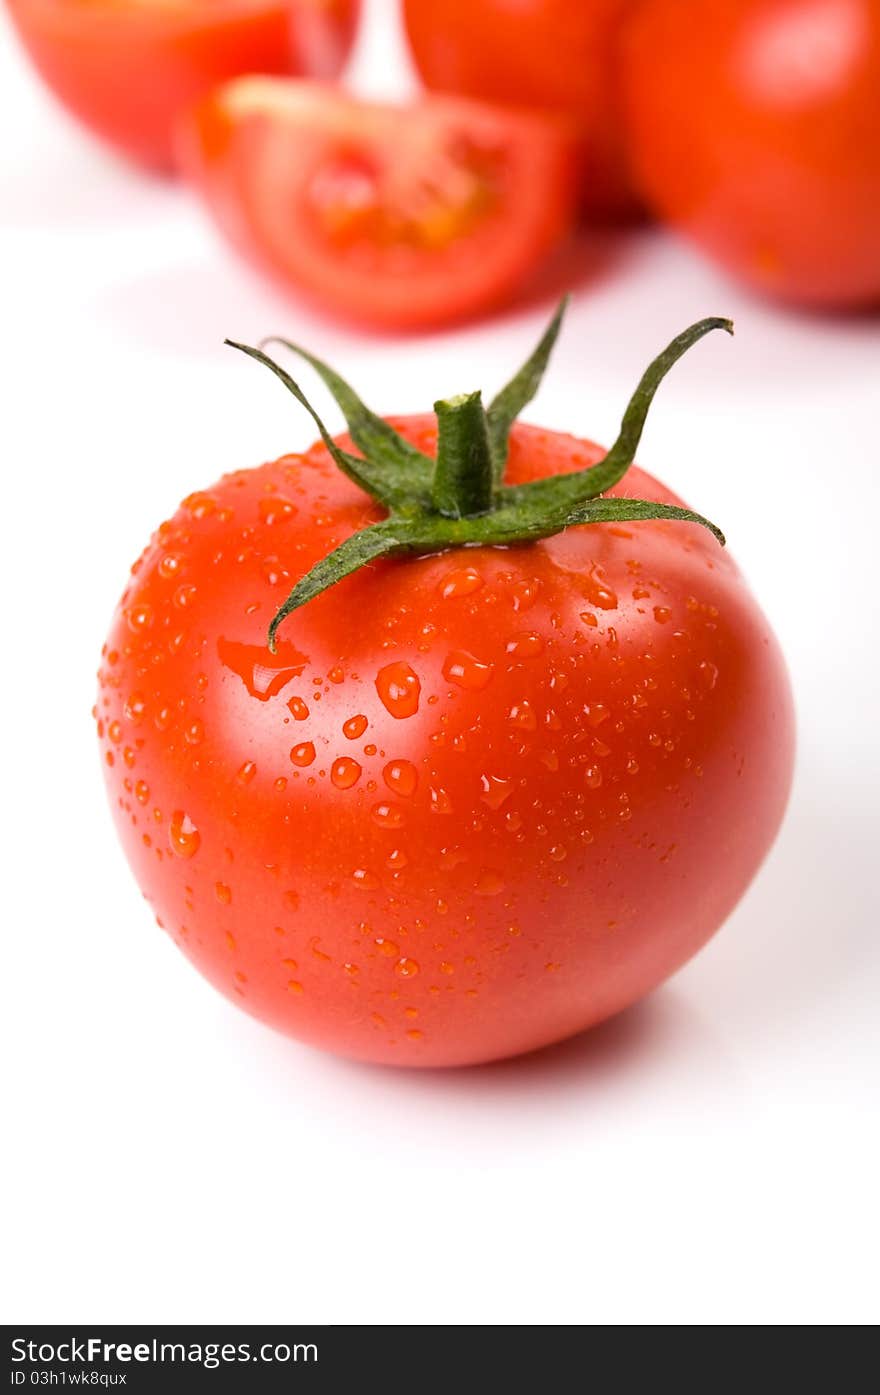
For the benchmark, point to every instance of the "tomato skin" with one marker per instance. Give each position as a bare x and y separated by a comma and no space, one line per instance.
396,218
478,801
128,68
558,55
754,127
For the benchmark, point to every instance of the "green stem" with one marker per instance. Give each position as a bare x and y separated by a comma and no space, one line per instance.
463,476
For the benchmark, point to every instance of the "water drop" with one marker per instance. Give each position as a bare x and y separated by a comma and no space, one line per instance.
344,773
402,777
303,754
463,581
399,689
466,671
354,727
183,835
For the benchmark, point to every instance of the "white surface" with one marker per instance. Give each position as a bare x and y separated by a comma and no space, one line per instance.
711,1157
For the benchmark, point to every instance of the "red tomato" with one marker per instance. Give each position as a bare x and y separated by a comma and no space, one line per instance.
559,55
128,68
755,128
396,217
474,802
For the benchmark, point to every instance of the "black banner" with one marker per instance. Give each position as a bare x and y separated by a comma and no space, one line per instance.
309,1358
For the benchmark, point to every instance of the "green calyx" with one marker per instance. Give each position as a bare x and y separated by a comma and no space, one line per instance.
460,499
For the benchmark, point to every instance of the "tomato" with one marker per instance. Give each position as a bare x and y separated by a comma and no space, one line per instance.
474,801
395,217
128,68
560,55
755,128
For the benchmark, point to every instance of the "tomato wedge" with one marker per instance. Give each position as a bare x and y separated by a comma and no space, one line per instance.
128,68
399,217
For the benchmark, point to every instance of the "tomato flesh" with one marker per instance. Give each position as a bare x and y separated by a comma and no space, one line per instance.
396,217
476,802
556,55
129,68
755,127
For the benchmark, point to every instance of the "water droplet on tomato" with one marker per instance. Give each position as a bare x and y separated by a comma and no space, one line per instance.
466,671
402,777
399,689
407,968
303,754
276,509
298,709
223,893
345,772
597,592
522,716
662,614
183,835
496,790
262,673
489,883
708,675
463,581
387,816
525,646
139,618
354,727
246,772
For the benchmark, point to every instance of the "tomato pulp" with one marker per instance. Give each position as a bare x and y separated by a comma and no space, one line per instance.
397,217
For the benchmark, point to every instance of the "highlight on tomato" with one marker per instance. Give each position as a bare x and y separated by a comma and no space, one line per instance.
128,68
448,738
398,217
754,127
555,55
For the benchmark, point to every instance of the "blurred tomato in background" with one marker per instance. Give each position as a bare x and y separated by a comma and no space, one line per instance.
754,126
128,68
560,55
398,217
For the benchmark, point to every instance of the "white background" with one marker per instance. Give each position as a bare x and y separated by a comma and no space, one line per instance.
711,1157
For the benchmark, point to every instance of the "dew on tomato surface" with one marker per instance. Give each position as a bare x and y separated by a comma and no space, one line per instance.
662,614
298,709
387,816
489,883
462,581
194,734
389,948
142,791
522,716
303,754
401,777
354,727
223,893
407,968
183,835
294,986
345,772
597,592
276,509
525,646
246,772
496,790
399,689
466,671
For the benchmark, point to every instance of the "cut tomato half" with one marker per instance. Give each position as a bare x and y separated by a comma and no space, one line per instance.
397,216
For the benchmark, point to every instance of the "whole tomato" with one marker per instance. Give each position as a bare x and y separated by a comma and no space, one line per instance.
754,126
128,68
559,55
451,806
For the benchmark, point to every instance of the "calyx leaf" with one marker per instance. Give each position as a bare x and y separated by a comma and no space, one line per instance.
460,500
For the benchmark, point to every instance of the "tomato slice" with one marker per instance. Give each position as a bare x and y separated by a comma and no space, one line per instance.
128,68
400,217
